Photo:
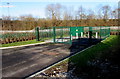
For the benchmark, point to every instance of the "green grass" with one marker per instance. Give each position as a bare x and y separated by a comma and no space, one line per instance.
82,58
27,42
114,30
21,43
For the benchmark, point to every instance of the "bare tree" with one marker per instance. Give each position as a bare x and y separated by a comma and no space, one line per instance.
91,14
82,15
106,12
50,11
90,17
81,12
27,21
58,8
53,11
68,13
115,14
6,22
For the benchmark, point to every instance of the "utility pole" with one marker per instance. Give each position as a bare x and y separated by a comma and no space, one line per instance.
8,9
8,17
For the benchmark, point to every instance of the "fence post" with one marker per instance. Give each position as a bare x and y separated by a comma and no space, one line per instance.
109,31
37,33
100,33
96,34
62,33
54,34
90,32
90,35
70,35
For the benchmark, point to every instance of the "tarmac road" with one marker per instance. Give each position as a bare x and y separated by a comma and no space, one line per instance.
20,62
23,61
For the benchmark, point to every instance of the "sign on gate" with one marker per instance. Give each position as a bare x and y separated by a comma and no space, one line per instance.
76,31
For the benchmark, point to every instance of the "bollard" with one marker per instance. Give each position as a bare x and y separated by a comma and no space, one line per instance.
76,35
96,34
71,37
82,34
88,35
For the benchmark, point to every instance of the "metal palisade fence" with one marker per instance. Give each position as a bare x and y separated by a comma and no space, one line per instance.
58,34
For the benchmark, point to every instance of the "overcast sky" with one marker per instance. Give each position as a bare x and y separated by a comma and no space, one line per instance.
37,7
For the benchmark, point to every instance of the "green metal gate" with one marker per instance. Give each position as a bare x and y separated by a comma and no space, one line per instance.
68,34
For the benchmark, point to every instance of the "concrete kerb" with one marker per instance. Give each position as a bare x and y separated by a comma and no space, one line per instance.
28,45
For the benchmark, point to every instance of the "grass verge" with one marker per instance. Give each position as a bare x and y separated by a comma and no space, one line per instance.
27,42
82,58
21,43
